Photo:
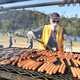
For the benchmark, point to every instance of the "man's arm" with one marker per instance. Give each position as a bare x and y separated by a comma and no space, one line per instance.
44,36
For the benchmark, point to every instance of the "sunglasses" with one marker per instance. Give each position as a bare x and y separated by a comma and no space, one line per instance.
55,21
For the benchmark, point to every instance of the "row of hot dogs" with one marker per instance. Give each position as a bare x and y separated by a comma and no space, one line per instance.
44,61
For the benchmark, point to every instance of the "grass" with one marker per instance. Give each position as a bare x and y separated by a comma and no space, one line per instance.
17,41
76,44
22,42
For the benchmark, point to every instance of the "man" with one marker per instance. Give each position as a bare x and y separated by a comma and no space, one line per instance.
30,37
52,34
10,40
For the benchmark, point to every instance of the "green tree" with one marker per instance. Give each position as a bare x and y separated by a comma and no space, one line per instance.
6,25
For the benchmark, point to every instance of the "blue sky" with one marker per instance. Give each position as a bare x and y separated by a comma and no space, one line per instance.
65,10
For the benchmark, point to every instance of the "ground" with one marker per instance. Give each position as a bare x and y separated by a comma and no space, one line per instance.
22,42
17,41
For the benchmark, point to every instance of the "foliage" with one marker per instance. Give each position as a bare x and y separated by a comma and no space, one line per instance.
27,20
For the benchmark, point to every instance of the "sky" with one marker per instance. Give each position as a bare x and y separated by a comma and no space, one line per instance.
68,11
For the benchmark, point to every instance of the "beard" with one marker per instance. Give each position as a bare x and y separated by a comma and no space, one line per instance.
53,26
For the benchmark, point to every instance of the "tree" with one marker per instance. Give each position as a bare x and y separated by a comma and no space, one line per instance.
6,25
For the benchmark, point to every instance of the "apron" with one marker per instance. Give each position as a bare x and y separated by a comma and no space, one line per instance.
52,40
